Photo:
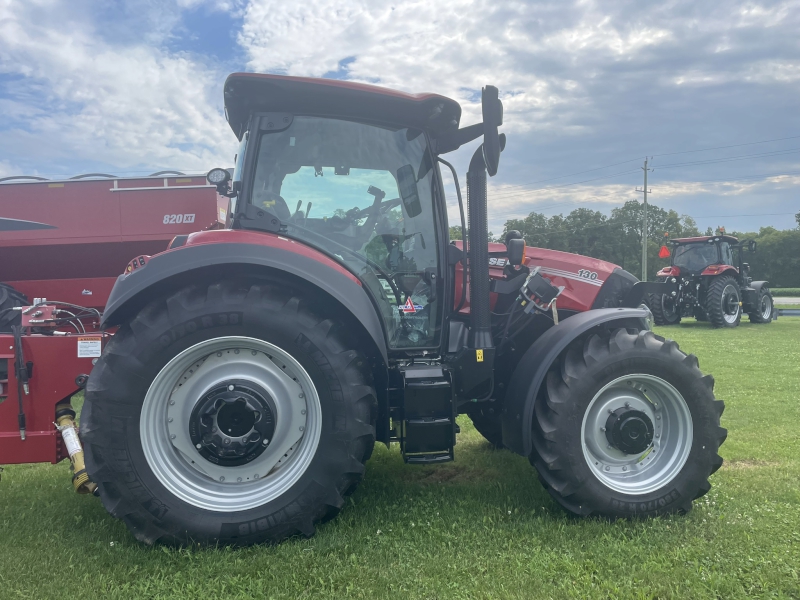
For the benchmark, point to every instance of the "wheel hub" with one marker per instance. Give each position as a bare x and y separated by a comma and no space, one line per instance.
233,423
629,430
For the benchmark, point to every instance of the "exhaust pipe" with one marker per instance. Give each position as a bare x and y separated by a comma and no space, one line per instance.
480,334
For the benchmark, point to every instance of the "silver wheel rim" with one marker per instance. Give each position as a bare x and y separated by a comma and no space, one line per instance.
766,307
661,462
730,304
184,381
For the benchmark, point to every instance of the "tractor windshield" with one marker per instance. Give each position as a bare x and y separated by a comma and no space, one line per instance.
695,257
363,194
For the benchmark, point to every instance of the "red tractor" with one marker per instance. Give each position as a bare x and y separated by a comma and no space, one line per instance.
252,369
713,284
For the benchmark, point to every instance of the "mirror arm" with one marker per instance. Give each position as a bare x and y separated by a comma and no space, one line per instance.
453,141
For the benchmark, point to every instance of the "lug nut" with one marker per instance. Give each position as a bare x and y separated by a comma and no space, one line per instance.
231,388
301,395
603,429
608,468
302,412
265,442
627,405
198,446
222,479
172,437
226,441
624,468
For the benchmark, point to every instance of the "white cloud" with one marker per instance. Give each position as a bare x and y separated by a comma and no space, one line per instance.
79,96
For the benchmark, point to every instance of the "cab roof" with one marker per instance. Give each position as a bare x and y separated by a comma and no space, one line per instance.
704,238
252,92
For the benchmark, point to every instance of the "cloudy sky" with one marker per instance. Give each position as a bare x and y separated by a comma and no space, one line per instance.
709,90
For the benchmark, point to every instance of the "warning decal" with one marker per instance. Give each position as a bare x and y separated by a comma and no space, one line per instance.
89,347
409,307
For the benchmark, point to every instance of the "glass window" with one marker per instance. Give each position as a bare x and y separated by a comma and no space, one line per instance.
363,194
696,257
725,253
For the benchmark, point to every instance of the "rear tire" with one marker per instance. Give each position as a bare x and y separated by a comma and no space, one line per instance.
724,302
766,307
267,341
629,372
664,310
10,298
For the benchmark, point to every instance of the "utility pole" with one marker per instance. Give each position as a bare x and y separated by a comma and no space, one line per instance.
644,222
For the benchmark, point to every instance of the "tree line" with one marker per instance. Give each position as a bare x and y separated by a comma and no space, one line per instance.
617,238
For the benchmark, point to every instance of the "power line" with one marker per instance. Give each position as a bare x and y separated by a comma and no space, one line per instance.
522,185
731,158
793,137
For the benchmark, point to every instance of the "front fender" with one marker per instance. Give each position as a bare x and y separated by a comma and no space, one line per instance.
185,265
523,388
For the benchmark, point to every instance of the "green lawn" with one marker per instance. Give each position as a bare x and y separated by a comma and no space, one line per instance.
481,527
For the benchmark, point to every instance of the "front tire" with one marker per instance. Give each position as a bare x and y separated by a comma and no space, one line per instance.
601,400
723,302
487,421
765,308
232,413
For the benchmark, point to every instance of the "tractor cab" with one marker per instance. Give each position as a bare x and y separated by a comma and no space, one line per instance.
696,254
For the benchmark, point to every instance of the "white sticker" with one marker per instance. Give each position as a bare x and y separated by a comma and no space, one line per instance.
89,347
71,440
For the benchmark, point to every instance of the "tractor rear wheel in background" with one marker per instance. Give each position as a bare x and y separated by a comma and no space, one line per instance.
10,299
626,425
233,413
487,421
724,302
765,307
665,309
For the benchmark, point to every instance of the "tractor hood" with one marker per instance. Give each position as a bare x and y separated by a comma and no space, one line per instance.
251,92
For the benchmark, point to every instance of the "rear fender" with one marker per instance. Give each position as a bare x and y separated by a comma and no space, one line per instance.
752,294
204,262
714,270
523,388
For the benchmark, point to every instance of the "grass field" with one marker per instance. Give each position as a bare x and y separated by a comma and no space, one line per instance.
481,527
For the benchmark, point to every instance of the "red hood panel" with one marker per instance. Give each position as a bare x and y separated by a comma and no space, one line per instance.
581,276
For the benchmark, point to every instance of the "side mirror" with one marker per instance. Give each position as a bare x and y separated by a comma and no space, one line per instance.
516,251
492,109
219,178
407,182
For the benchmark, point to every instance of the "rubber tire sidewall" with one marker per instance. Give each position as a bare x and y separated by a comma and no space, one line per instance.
119,443
594,497
714,298
755,317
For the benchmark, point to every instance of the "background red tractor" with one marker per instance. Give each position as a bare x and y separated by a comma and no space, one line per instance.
713,284
252,369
